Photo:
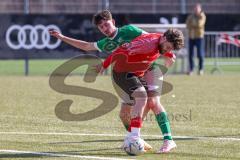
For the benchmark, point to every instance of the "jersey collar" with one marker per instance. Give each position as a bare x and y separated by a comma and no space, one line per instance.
114,35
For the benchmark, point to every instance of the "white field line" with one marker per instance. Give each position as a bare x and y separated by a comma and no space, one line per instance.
115,135
60,155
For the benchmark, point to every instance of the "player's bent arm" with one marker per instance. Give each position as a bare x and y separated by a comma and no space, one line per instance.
106,63
169,59
99,68
83,45
110,59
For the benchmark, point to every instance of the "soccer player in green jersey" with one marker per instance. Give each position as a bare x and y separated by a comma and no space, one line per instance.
116,37
130,64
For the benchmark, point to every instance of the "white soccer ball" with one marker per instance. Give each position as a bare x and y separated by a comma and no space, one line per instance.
133,146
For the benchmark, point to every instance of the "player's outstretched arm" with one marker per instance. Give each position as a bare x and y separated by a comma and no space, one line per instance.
86,46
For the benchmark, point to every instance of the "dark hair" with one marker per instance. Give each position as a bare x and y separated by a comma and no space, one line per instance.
176,37
104,15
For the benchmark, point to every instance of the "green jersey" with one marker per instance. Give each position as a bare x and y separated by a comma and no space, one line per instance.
123,35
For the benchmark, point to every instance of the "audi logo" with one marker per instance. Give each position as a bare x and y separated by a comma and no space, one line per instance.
29,37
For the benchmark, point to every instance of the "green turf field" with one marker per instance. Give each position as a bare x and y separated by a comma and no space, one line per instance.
45,67
204,109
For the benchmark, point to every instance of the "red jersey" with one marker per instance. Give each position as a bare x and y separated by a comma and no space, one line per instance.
136,56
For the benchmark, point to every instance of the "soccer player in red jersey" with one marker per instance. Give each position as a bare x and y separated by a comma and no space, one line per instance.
116,37
131,62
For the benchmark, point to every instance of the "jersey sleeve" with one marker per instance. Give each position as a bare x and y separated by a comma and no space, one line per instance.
169,55
111,58
106,63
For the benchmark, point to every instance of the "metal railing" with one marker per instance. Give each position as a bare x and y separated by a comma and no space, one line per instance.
224,47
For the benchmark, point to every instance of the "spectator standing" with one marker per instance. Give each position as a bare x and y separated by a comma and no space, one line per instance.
196,28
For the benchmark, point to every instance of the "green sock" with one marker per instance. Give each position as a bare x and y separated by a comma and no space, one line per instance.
164,125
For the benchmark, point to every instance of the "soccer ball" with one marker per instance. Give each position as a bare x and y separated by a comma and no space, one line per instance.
133,146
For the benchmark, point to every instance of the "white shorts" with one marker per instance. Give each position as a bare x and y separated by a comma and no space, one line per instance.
154,80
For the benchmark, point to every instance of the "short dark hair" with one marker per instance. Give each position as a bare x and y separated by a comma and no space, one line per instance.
176,37
103,15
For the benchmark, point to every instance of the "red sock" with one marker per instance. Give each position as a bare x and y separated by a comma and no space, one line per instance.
135,123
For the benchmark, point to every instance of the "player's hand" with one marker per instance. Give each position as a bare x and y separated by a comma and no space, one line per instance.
55,33
99,68
169,61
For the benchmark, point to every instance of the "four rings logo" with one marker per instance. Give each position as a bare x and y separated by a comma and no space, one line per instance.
29,37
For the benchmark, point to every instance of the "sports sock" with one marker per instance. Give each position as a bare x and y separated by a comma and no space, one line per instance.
128,134
164,125
135,126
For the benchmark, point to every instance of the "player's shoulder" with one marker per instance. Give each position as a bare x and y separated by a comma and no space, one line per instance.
129,27
151,35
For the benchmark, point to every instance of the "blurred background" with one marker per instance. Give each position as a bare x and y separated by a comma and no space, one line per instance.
27,49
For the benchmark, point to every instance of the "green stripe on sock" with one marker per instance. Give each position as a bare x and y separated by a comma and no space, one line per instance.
167,137
164,124
126,126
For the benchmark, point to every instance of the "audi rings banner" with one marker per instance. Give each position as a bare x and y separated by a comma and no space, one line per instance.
26,36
